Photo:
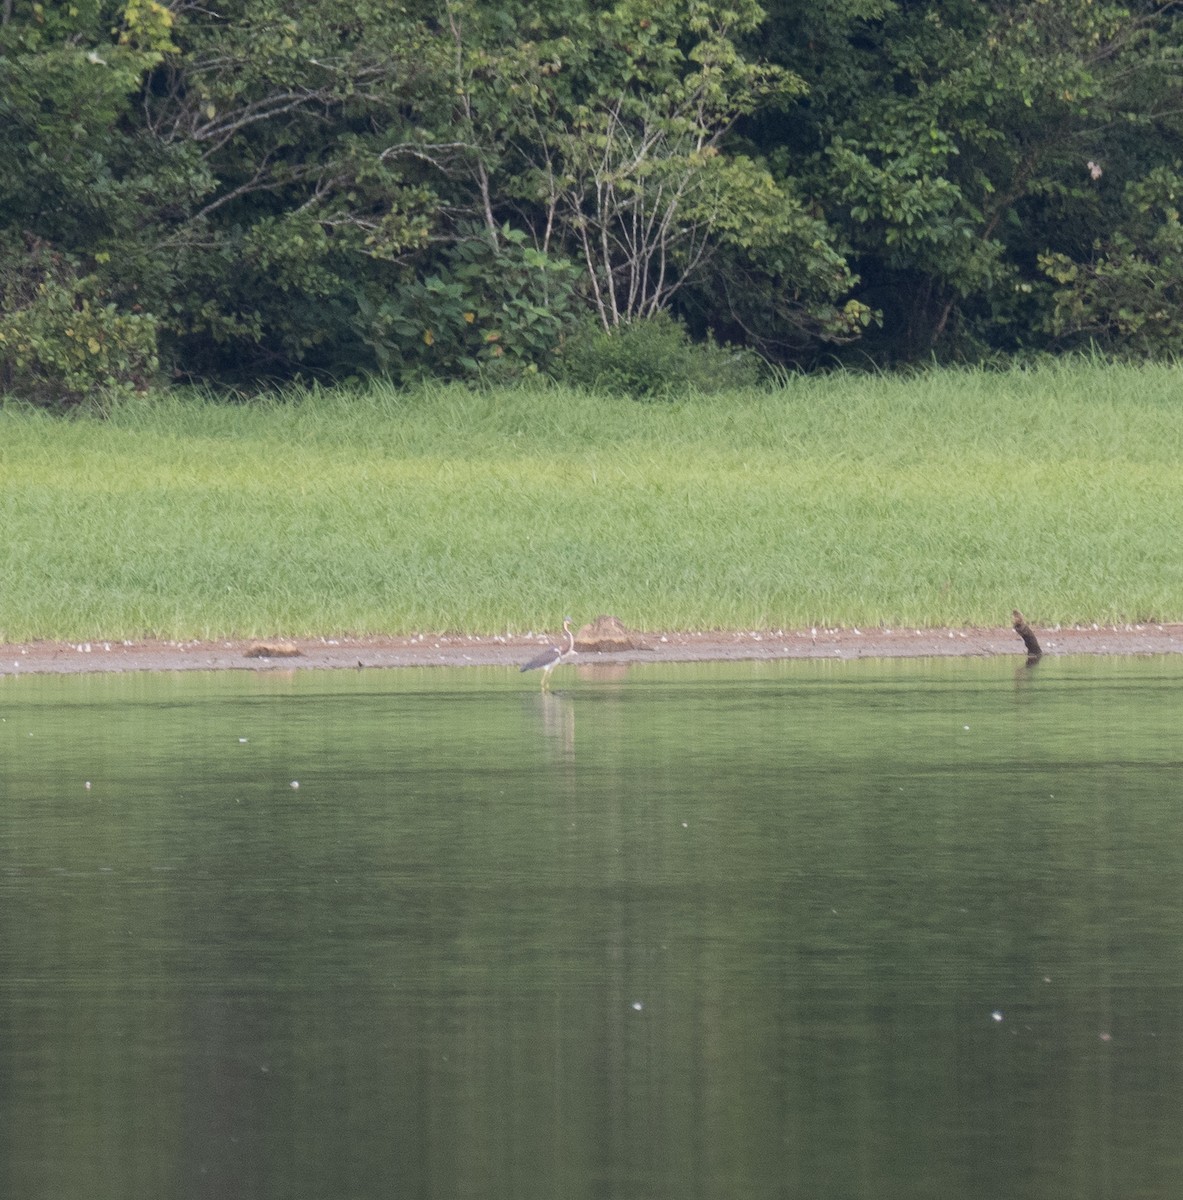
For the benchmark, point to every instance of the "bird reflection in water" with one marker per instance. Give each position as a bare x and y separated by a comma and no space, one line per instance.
558,721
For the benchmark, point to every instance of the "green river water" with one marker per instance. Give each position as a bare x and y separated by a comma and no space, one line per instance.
819,930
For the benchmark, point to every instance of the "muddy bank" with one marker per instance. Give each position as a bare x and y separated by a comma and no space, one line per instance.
460,650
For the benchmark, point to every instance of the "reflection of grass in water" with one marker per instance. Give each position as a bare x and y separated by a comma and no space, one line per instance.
947,497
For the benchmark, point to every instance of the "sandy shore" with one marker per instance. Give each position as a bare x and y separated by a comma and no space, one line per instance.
459,650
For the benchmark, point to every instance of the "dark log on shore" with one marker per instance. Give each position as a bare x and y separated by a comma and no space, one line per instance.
1034,650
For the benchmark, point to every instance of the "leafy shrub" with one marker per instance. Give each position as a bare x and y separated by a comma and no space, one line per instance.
487,310
654,358
61,340
1127,298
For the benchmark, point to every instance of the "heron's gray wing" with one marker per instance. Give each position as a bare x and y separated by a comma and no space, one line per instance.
548,656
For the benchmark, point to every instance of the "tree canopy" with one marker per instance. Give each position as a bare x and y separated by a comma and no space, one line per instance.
255,189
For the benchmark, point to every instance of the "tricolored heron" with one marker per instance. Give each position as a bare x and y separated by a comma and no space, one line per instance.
553,655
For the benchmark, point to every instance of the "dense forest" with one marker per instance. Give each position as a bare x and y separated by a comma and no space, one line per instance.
256,190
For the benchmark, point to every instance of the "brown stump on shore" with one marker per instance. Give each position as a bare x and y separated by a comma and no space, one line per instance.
606,634
1034,650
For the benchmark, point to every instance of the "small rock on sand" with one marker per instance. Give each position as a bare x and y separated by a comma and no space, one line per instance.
271,650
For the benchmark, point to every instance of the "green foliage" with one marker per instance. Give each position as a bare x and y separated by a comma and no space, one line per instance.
779,279
79,197
284,113
609,126
952,143
1128,296
222,170
331,186
496,307
62,341
66,168
653,358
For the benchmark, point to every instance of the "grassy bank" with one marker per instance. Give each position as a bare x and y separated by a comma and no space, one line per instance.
946,498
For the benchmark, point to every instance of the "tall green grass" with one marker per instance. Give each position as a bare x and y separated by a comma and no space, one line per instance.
942,498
